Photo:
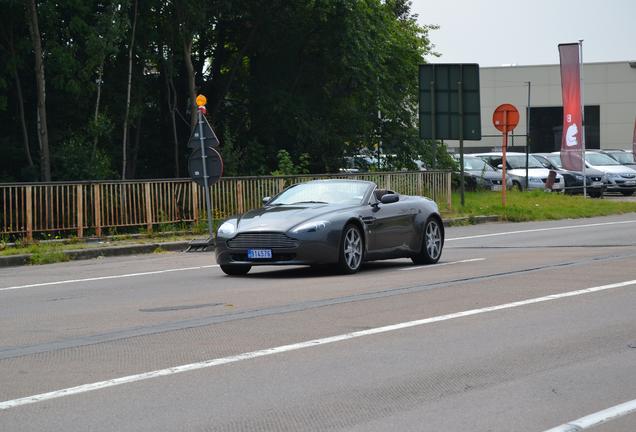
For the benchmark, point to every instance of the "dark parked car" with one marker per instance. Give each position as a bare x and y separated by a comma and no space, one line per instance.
337,222
596,180
479,175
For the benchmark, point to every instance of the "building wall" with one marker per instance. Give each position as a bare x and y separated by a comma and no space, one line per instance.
612,86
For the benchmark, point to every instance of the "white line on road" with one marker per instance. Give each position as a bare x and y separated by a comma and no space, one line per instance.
443,264
541,229
293,347
108,277
597,418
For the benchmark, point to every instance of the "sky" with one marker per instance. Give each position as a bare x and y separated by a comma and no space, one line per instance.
496,33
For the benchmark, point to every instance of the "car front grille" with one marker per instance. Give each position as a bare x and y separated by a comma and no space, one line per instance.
262,240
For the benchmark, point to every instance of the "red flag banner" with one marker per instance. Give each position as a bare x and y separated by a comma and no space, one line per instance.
572,137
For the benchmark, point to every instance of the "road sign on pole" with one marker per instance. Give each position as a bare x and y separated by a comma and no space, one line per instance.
205,165
505,119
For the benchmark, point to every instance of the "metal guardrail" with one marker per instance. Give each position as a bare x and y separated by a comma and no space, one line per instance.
77,207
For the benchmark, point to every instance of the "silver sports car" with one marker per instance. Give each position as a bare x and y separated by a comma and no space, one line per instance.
338,222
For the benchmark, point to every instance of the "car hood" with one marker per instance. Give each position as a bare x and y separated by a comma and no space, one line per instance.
285,217
615,169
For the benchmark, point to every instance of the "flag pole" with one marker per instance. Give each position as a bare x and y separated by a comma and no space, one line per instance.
582,117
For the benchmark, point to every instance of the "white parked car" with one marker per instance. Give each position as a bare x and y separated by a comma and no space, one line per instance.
516,169
620,178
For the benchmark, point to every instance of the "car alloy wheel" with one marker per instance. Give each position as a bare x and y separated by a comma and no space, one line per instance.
432,244
351,249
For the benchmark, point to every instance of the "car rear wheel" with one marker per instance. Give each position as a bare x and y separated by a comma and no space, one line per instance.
235,269
432,245
351,250
517,186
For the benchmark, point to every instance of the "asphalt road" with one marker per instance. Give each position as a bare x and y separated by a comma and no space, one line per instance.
521,327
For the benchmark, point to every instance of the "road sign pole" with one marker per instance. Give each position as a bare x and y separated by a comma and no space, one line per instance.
206,183
461,140
504,147
433,131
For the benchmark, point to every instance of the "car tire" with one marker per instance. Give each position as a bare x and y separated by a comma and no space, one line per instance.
351,252
432,243
235,269
627,192
596,194
516,186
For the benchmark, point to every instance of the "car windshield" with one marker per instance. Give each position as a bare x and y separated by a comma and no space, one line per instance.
475,164
599,159
519,161
623,157
556,160
332,192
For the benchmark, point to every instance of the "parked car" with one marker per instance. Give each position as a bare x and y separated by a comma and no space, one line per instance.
337,222
596,180
621,156
516,169
620,177
479,175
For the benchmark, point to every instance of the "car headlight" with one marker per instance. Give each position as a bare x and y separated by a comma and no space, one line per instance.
226,229
311,226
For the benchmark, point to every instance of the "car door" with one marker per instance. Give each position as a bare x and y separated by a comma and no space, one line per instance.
390,227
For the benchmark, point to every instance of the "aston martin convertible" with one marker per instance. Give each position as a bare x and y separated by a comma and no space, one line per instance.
338,223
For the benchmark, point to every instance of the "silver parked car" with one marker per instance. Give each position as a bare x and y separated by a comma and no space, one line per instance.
516,169
620,177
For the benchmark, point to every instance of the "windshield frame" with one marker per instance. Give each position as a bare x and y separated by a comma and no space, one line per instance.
293,195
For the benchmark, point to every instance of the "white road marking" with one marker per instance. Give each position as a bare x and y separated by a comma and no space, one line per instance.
443,264
597,418
295,346
541,229
107,277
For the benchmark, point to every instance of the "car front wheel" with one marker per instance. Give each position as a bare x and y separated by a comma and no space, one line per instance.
351,250
432,245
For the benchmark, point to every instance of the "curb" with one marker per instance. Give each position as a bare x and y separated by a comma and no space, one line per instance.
471,220
81,254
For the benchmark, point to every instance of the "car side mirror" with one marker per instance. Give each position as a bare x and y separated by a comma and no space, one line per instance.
266,200
389,198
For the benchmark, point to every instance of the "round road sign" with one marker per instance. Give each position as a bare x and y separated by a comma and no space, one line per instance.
213,166
505,118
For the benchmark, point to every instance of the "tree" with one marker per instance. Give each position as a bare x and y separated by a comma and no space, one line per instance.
131,48
43,134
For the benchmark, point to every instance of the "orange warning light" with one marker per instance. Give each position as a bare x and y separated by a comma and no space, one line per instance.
201,100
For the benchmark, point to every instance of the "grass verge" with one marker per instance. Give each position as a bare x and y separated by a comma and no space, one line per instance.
535,206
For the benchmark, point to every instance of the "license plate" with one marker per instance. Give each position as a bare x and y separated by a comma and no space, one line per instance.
259,253
496,187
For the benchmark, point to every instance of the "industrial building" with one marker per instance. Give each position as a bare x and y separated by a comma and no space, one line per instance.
609,95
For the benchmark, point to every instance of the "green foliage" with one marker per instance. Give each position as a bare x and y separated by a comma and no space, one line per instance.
306,77
74,161
287,167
